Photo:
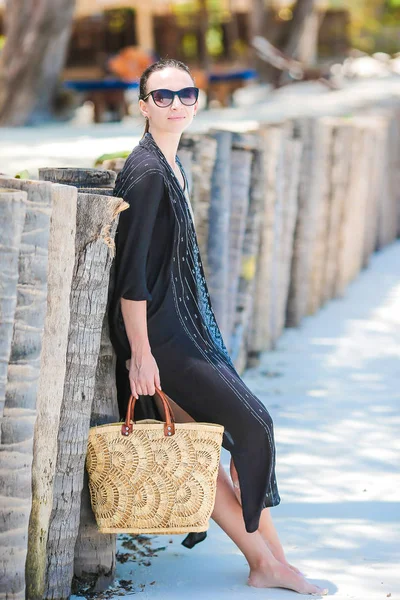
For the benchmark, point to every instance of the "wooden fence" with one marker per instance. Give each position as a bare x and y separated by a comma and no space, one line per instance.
286,217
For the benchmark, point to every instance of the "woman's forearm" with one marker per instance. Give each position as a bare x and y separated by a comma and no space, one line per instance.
135,320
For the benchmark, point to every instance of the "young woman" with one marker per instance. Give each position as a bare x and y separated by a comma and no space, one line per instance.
164,330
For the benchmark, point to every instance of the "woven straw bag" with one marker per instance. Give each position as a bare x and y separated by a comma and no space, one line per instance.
153,477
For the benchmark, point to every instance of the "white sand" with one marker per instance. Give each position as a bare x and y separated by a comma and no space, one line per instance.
332,387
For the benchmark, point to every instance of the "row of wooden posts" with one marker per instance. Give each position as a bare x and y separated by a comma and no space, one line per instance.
286,217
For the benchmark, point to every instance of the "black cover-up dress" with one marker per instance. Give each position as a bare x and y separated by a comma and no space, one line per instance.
157,259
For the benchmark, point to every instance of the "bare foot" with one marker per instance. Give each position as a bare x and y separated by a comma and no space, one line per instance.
279,575
267,530
280,556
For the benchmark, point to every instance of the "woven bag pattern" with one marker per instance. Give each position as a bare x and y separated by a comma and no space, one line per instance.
149,483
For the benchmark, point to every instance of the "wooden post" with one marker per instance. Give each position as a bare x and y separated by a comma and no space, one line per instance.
51,381
388,205
351,242
95,215
247,281
80,178
94,557
218,232
286,208
19,415
340,136
272,140
12,218
318,244
204,152
374,174
311,179
241,160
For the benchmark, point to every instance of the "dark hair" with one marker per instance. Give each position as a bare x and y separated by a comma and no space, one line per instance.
161,64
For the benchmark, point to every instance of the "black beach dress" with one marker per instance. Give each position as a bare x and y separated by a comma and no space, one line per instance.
157,259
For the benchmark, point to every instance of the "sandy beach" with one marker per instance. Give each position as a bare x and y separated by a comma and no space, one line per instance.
332,387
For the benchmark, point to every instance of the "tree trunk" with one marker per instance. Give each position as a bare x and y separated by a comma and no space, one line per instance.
283,247
18,422
203,26
32,58
258,26
272,140
95,553
245,295
51,380
241,161
310,184
89,292
302,39
218,232
12,218
204,148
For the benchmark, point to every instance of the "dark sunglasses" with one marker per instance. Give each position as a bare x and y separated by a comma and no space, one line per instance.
163,98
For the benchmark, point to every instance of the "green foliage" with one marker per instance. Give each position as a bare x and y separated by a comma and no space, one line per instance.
120,154
214,41
370,22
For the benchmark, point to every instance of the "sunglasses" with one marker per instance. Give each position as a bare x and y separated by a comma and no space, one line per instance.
163,98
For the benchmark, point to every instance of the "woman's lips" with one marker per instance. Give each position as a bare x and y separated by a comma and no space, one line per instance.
175,118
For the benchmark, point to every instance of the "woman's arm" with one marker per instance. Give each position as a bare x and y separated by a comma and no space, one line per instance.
143,370
141,184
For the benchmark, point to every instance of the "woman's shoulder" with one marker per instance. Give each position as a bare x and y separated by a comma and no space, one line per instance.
141,168
141,160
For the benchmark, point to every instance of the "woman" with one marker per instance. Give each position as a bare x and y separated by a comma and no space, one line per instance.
164,330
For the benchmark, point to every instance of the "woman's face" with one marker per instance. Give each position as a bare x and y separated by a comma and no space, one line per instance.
176,117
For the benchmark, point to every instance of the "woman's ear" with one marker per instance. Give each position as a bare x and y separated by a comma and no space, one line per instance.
143,108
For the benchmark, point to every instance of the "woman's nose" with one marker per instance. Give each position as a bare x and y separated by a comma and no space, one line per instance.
176,102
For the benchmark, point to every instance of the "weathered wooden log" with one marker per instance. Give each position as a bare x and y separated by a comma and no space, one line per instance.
272,140
51,379
204,149
308,132
340,136
388,205
101,191
19,414
218,232
12,218
241,160
319,243
245,299
95,215
351,243
374,126
81,178
95,553
286,208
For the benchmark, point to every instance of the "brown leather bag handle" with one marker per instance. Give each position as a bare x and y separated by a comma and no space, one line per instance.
169,425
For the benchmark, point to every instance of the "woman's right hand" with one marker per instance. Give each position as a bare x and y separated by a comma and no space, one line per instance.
144,376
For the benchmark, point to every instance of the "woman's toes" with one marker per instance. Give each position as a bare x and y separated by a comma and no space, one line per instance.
321,592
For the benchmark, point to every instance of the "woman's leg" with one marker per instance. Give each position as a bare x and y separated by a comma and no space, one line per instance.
265,569
266,526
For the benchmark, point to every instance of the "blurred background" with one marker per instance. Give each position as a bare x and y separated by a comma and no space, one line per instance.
65,58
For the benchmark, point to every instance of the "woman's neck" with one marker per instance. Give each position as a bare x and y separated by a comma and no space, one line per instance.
168,144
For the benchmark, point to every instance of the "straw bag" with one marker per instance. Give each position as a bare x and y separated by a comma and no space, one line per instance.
151,476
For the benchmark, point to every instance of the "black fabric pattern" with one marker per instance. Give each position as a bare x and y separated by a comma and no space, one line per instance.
158,260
